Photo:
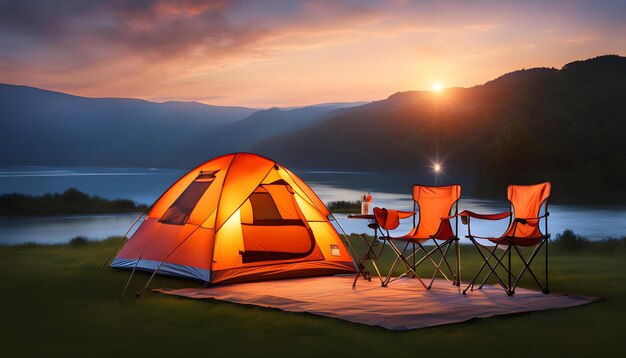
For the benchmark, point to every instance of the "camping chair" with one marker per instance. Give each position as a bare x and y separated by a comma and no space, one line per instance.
523,231
434,204
382,221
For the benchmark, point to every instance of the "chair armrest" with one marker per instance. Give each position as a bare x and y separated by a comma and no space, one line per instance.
525,221
401,214
498,216
405,214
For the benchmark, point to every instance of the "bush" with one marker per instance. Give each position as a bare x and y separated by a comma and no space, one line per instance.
79,241
571,241
343,206
72,201
613,244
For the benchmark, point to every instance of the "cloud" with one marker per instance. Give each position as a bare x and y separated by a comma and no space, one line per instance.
208,31
221,49
480,27
582,39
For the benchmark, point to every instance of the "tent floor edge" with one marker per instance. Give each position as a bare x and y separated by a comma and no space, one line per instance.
167,269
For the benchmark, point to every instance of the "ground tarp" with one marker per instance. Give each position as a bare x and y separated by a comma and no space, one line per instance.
402,305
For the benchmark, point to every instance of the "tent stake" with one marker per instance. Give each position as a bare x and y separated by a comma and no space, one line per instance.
131,275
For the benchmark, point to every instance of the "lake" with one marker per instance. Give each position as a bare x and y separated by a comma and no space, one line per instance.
145,185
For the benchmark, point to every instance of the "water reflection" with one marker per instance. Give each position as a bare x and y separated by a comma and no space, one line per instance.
59,229
145,185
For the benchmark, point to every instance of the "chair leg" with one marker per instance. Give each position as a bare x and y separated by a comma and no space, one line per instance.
394,264
473,280
444,253
428,255
498,263
508,290
444,258
458,262
413,255
527,264
547,290
470,286
406,264
493,269
362,262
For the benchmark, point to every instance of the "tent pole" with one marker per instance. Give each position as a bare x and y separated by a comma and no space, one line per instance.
119,244
138,294
131,275
354,254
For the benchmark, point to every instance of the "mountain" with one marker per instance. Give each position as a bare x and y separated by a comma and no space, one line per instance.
42,127
243,135
565,125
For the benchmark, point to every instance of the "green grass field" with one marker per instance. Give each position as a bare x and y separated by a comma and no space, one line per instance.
55,303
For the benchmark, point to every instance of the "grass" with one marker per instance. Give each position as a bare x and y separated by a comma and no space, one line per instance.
55,303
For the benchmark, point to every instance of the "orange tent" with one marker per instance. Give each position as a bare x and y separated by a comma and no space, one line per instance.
238,217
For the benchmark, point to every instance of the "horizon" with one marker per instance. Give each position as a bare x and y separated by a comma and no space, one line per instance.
292,54
435,87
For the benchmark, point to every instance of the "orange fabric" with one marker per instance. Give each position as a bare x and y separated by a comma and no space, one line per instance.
284,200
155,241
281,271
390,219
309,194
171,194
526,201
434,202
244,175
253,209
292,239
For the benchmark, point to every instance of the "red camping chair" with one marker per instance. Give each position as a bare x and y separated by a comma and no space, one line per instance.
434,204
523,231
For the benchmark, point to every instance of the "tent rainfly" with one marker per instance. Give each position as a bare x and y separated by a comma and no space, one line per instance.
238,217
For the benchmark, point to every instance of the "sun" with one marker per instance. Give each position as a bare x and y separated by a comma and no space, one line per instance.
437,87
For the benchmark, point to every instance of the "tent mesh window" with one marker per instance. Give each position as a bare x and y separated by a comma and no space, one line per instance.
179,212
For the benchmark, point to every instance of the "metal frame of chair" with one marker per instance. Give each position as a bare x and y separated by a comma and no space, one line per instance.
513,242
410,261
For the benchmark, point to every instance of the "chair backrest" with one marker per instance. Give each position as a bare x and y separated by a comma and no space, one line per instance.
434,202
526,201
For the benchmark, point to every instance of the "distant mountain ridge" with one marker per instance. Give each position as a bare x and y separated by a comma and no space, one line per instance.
243,135
566,125
41,127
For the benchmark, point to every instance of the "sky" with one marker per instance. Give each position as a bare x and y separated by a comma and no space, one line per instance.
289,53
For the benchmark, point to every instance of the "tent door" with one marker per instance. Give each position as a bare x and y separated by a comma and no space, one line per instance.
273,227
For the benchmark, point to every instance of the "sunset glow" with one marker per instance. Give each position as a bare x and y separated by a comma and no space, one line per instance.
437,87
287,53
